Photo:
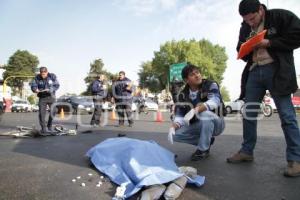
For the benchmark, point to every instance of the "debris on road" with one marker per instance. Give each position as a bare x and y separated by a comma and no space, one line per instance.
89,180
25,132
121,135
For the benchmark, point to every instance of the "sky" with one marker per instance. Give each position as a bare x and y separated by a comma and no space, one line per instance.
67,35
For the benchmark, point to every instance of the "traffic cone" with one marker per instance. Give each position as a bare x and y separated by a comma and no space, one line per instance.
159,117
62,114
113,115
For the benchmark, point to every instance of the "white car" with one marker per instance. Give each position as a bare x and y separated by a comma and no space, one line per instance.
151,105
237,105
21,106
133,107
107,106
234,106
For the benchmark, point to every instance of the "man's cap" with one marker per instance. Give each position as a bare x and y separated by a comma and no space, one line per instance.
43,69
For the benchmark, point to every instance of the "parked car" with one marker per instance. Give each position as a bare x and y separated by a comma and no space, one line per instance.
296,99
234,106
21,106
267,106
107,106
151,105
75,104
35,108
2,108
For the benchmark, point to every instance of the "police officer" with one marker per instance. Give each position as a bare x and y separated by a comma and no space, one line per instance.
122,93
45,85
98,91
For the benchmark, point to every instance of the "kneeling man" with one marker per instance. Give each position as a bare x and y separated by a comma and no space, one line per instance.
198,112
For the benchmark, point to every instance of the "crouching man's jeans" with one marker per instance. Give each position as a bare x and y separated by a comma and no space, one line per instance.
201,132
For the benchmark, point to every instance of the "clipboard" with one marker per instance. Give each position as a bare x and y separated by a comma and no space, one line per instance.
249,45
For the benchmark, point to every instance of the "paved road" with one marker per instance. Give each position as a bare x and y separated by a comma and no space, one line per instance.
43,168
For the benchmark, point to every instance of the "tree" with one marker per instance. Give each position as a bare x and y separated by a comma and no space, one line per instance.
32,99
225,94
148,78
21,63
211,59
96,68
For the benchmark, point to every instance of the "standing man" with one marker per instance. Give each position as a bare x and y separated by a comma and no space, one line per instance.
45,85
98,91
202,99
270,66
122,94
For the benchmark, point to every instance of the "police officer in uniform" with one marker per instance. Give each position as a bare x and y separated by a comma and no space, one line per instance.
45,85
98,91
122,93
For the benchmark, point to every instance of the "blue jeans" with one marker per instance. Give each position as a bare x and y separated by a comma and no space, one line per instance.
260,80
200,132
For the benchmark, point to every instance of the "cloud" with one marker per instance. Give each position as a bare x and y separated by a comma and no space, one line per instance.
145,7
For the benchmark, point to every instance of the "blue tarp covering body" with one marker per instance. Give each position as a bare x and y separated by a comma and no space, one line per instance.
135,163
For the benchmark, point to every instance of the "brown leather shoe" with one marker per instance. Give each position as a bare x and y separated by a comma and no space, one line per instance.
240,157
293,169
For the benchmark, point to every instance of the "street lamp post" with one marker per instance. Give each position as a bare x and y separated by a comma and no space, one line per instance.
4,82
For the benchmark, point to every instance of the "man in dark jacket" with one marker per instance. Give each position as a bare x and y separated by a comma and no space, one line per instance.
270,66
99,93
122,93
45,85
198,112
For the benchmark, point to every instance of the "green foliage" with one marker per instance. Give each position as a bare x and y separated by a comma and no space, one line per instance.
21,63
96,68
148,78
32,99
225,94
211,60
